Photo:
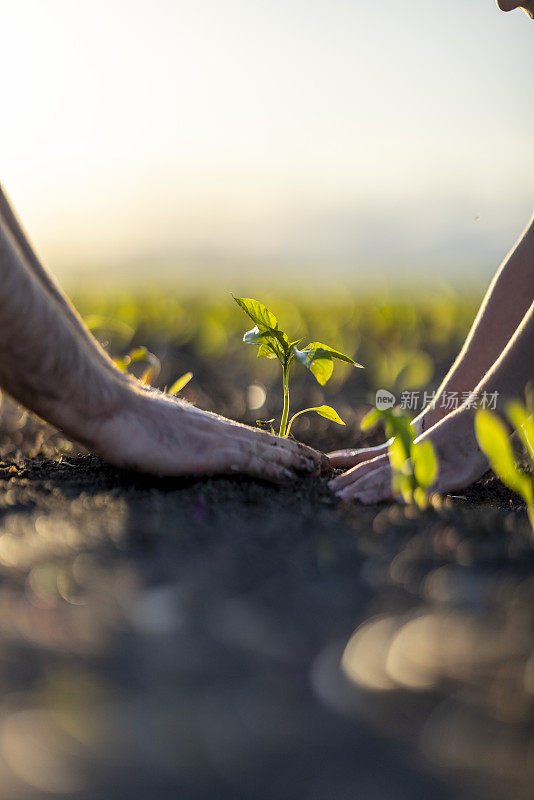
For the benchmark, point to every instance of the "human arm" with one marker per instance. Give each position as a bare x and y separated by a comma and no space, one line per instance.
51,364
460,459
43,276
504,306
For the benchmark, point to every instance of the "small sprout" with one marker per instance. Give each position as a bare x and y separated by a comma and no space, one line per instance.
179,384
153,369
324,411
414,464
274,343
493,438
266,424
140,354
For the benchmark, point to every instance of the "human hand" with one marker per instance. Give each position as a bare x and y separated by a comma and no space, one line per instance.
459,457
155,433
344,459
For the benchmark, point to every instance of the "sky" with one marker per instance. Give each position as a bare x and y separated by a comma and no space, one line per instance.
356,136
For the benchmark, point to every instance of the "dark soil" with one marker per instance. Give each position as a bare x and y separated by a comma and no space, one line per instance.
183,639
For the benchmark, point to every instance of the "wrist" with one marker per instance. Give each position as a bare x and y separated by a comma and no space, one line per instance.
86,415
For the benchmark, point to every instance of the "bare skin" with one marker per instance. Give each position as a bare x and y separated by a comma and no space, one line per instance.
51,364
504,306
497,353
460,459
510,5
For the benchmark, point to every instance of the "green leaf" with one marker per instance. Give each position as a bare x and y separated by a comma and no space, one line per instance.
266,351
319,362
314,346
138,354
398,455
397,481
420,498
317,357
425,465
398,424
121,363
405,486
324,411
321,368
152,371
523,423
281,337
273,344
493,439
257,312
371,419
328,413
179,384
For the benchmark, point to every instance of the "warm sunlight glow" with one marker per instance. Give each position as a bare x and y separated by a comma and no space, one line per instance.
300,131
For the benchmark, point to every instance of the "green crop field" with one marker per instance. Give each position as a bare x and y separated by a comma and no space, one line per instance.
404,343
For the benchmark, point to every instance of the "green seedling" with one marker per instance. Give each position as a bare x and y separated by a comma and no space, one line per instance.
493,438
179,383
274,343
140,354
414,464
152,370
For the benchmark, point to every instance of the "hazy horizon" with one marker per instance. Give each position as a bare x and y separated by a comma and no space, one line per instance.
353,137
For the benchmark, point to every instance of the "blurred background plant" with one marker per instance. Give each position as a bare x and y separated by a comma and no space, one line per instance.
493,436
414,464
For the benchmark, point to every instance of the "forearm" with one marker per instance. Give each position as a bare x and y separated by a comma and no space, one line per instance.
514,369
44,363
10,220
46,279
506,302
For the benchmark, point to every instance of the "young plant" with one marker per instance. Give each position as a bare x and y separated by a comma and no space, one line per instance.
179,383
274,343
493,438
414,464
152,370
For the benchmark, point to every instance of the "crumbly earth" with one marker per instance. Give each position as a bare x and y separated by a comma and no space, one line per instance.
195,639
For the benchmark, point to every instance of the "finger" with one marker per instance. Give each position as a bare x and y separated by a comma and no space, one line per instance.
373,488
302,457
344,459
356,473
357,478
265,458
256,467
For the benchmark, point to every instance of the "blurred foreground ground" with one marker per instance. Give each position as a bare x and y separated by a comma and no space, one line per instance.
223,638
